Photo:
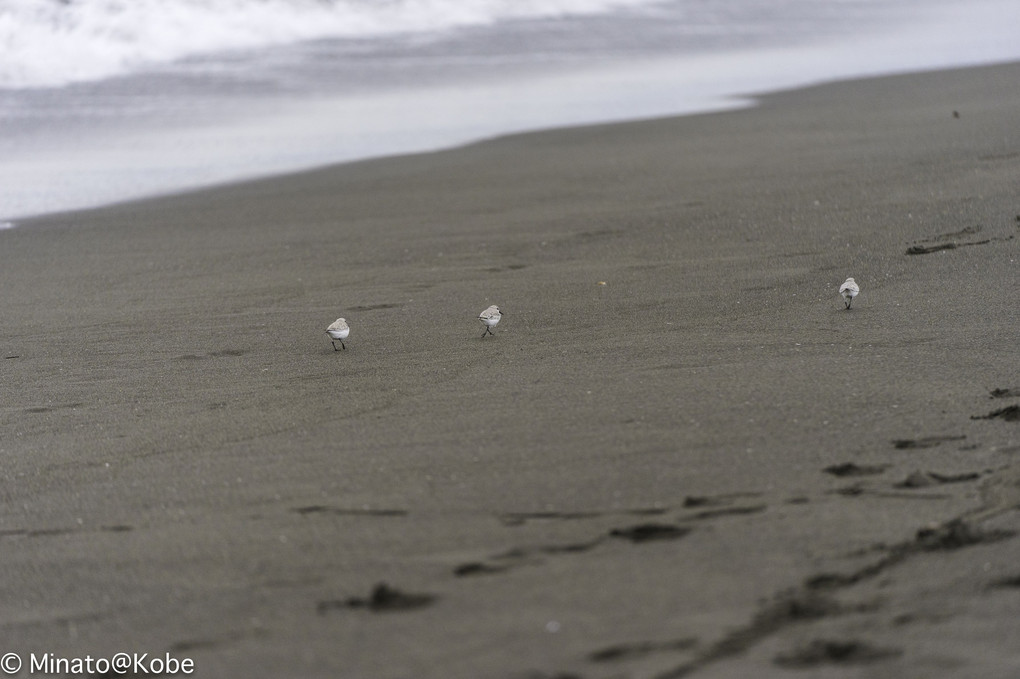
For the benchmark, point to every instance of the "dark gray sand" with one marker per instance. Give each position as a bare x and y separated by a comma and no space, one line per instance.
678,456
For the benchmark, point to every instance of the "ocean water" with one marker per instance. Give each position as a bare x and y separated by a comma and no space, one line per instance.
108,100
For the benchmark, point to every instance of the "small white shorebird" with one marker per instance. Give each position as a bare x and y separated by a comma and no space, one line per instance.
490,317
849,290
338,330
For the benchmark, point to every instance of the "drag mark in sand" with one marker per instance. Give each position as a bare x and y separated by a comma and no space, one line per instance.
1004,393
927,442
1009,414
949,241
521,556
950,536
786,609
812,601
641,533
35,532
68,621
648,532
994,157
921,479
383,599
59,406
724,499
343,511
916,480
727,511
720,503
212,354
640,649
374,307
947,537
521,518
509,267
212,642
829,652
851,469
718,506
928,249
479,568
56,532
1007,583
859,489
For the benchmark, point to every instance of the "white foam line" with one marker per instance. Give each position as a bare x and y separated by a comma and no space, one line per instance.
50,44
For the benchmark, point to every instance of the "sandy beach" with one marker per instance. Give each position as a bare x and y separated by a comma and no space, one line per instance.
678,455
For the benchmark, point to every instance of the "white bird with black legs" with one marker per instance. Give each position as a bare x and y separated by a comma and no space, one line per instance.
338,331
849,290
490,317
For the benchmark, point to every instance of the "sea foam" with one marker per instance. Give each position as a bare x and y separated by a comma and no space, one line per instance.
48,43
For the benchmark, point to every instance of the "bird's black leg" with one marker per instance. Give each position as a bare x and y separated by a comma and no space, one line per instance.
343,345
334,345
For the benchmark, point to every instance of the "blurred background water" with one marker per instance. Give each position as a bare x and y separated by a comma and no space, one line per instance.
106,100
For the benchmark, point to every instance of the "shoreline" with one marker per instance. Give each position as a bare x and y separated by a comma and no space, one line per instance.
623,78
679,455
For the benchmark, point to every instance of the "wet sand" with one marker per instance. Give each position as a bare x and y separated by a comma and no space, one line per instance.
678,456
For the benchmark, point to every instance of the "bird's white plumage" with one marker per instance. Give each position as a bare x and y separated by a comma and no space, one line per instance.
490,317
849,290
338,329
